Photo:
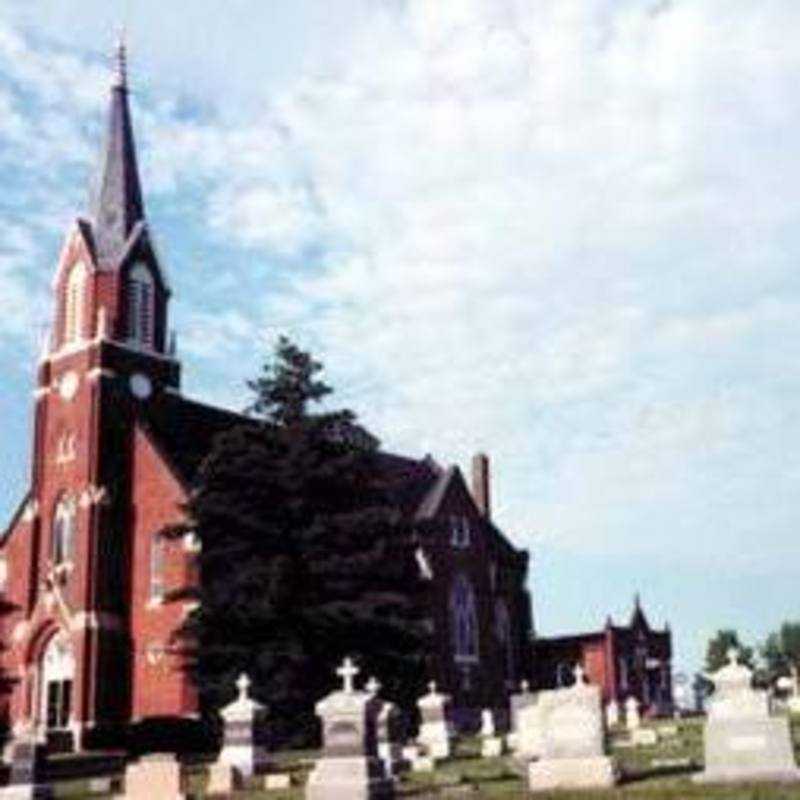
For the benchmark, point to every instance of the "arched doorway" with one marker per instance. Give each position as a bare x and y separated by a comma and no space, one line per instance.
56,678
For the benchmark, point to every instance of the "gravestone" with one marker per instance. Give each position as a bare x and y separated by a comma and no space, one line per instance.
491,743
644,737
529,734
518,701
434,730
279,781
573,743
612,713
524,741
26,776
390,749
239,749
222,780
349,767
633,720
742,741
153,776
794,697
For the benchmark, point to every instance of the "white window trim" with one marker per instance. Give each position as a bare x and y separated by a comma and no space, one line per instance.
140,307
66,513
75,304
157,586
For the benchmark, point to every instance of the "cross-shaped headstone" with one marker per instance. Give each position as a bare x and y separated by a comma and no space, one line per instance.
432,687
347,672
243,685
579,674
373,686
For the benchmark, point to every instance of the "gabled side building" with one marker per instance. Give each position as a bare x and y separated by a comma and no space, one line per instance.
632,660
89,644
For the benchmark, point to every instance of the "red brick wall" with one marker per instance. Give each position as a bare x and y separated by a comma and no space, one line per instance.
159,686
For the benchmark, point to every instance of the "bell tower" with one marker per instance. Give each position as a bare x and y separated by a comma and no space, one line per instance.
109,355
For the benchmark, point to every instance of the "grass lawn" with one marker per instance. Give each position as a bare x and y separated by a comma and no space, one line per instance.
660,772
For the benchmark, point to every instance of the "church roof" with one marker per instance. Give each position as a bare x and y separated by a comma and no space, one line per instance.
184,431
117,205
16,516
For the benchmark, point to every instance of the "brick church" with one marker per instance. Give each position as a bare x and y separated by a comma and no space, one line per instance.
87,645
633,660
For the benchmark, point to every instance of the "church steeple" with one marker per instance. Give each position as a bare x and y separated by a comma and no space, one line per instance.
117,203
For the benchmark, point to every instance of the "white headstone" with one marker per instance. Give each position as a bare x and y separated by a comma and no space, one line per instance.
487,723
518,703
434,731
632,719
390,748
644,737
612,713
491,743
239,718
743,743
349,768
573,740
156,775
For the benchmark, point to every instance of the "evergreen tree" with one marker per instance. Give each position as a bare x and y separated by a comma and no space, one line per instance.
781,650
304,560
720,645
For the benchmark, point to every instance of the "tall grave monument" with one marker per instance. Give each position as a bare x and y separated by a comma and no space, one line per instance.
349,768
742,741
573,740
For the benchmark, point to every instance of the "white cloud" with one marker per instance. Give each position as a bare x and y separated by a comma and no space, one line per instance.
561,231
547,212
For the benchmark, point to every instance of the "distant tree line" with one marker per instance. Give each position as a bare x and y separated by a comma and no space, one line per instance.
777,656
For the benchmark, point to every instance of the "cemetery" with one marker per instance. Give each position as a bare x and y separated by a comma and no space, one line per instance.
333,620
558,744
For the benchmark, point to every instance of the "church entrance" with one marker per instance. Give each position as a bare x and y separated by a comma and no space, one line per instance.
56,677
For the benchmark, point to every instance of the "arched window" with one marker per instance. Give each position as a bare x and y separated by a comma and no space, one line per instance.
74,303
464,620
56,674
139,300
63,536
502,628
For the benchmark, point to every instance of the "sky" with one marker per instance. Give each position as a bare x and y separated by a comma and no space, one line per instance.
563,232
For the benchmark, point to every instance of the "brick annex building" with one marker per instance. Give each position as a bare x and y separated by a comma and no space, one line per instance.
632,660
115,450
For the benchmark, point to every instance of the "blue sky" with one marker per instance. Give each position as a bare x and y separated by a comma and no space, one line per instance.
564,232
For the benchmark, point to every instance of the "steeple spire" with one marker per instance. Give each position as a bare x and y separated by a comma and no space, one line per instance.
117,202
121,62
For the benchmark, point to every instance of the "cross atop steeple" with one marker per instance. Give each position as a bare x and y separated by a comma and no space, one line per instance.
117,203
120,61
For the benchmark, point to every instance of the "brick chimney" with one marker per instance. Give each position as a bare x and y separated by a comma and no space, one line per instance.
480,483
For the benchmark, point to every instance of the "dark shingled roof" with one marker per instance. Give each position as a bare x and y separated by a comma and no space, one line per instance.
408,480
184,431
